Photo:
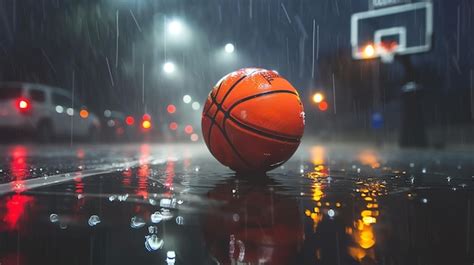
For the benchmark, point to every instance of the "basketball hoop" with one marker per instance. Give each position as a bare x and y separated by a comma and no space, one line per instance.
387,54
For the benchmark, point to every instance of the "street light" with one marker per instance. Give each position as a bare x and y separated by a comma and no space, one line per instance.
175,27
229,48
169,67
318,97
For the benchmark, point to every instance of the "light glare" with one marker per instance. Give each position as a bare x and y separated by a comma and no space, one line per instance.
169,67
229,48
187,99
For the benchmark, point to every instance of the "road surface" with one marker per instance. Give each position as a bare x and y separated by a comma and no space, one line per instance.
174,204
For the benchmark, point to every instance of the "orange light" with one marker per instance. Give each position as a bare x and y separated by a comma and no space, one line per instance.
173,126
84,113
129,120
369,51
318,98
146,124
323,106
171,109
188,129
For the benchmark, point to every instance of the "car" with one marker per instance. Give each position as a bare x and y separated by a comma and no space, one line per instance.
47,112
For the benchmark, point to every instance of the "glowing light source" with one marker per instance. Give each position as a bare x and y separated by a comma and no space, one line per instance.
23,104
188,129
369,51
169,67
187,99
323,106
84,113
129,120
229,48
59,109
318,97
175,27
194,137
70,111
146,117
146,124
171,108
173,126
196,105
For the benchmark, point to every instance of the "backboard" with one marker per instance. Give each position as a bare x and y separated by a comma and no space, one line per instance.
385,32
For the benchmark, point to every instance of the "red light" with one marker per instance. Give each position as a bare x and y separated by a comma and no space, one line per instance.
146,124
23,104
323,106
173,126
171,109
188,129
146,117
129,120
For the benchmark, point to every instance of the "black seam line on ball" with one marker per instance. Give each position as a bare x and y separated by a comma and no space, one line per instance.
250,128
228,141
230,89
214,99
262,133
259,95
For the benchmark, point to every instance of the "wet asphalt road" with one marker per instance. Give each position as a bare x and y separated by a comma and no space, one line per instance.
330,204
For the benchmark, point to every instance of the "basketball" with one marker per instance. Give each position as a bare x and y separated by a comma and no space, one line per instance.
253,120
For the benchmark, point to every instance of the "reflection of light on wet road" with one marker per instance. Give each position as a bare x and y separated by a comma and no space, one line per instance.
18,167
369,158
14,210
320,172
362,231
318,155
143,171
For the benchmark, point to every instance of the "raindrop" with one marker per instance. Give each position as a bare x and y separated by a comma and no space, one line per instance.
331,213
236,217
152,229
153,243
170,257
54,218
179,220
156,217
93,220
137,222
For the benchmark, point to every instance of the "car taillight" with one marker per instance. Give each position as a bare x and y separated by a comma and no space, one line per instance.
23,105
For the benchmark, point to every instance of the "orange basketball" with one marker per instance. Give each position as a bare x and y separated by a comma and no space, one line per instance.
253,120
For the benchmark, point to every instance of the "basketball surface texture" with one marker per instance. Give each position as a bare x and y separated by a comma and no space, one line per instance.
253,120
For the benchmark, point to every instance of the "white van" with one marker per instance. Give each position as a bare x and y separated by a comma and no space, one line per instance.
46,111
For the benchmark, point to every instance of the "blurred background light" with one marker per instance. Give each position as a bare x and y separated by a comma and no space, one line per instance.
229,48
169,67
196,105
175,27
187,99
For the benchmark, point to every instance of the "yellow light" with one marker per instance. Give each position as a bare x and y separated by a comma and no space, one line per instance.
146,124
338,204
318,98
307,212
369,51
84,113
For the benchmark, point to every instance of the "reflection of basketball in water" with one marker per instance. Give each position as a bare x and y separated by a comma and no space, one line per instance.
253,120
